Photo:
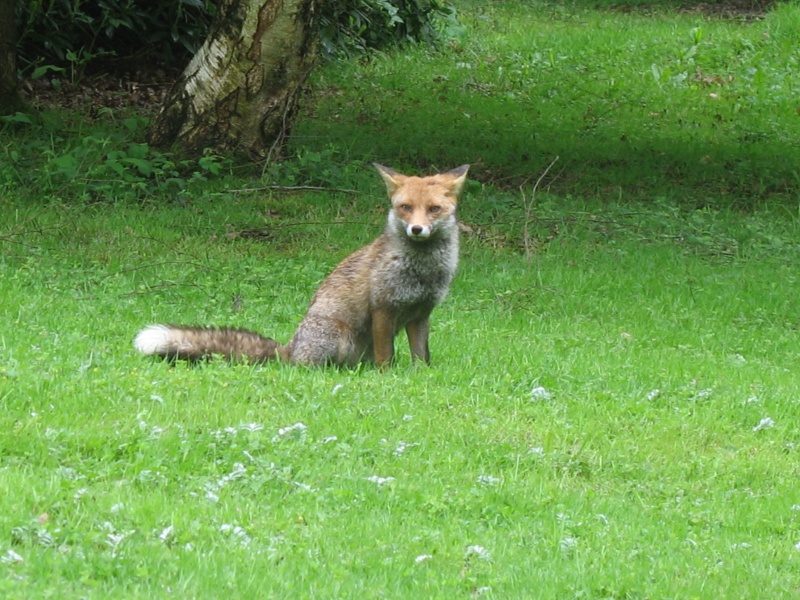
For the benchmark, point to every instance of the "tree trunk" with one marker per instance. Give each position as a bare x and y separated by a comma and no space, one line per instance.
10,101
239,93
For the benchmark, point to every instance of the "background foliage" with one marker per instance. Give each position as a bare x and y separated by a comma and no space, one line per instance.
50,31
355,26
58,32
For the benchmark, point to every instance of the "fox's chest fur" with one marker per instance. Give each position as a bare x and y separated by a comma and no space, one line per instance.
409,273
390,273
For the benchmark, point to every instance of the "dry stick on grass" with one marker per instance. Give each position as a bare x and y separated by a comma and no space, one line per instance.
293,188
528,205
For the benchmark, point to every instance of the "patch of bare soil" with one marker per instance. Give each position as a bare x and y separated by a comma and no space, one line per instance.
143,91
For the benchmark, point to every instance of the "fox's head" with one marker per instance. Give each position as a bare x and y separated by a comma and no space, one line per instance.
421,206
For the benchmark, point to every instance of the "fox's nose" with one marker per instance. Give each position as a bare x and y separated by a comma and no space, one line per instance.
416,229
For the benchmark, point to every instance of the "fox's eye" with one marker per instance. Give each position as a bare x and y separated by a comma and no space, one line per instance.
407,208
434,210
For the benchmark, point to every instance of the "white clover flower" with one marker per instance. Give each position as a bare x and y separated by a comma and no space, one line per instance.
236,532
297,427
737,359
653,394
478,551
380,480
44,537
115,539
488,480
402,447
540,393
765,423
11,557
740,545
423,558
239,471
568,544
68,473
304,486
166,534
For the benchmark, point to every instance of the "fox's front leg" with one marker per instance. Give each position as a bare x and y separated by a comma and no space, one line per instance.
417,332
382,337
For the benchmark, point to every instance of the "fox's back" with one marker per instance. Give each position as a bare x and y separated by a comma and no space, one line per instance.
344,294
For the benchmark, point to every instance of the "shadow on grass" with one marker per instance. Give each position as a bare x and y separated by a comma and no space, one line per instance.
510,144
670,106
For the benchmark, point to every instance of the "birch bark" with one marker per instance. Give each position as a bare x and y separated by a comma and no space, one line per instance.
239,93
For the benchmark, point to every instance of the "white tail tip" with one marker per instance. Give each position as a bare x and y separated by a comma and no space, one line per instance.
152,340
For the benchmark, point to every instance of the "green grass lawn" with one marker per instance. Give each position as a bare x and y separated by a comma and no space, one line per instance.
612,406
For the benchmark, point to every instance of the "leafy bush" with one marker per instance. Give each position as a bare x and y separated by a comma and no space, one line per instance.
356,26
52,31
106,163
146,29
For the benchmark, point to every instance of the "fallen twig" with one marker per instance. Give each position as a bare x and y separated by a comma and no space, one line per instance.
529,206
294,188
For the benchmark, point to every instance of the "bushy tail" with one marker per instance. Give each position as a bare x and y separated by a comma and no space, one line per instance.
197,343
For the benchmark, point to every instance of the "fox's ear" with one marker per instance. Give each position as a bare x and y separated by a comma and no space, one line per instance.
459,175
391,178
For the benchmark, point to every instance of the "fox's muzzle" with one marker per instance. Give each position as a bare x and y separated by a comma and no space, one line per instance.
418,232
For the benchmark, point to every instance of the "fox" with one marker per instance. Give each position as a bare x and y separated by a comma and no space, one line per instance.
393,283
